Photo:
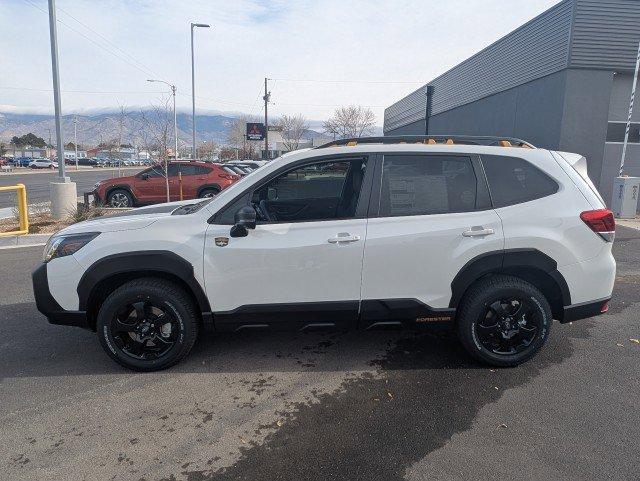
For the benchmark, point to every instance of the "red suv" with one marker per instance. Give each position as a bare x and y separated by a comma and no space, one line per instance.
199,180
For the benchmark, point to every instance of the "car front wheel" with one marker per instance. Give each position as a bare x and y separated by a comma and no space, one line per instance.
147,324
503,320
120,198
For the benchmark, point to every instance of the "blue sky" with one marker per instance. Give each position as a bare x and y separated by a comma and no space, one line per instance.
108,48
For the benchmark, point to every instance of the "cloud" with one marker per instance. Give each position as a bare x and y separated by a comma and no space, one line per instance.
325,39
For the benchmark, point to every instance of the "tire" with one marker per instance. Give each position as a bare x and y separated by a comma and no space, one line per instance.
489,323
120,333
208,192
120,198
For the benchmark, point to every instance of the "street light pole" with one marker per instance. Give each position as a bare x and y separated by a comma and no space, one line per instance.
175,133
193,91
63,193
53,33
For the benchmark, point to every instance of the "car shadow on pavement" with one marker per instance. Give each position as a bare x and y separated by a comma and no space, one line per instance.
362,432
32,347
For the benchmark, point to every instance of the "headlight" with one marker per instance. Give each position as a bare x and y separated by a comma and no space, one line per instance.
65,245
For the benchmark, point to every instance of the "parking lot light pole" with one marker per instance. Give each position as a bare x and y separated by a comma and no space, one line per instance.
62,192
175,133
193,91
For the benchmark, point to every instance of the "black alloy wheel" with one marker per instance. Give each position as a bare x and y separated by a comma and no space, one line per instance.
503,320
509,326
148,324
144,330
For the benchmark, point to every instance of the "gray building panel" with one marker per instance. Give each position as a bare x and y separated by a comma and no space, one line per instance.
536,49
508,113
593,34
605,34
584,117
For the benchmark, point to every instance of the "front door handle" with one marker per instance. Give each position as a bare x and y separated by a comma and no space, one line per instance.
478,231
343,237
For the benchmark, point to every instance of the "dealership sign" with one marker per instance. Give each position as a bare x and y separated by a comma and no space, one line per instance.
255,131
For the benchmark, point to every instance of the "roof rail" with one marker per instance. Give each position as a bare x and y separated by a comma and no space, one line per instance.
431,140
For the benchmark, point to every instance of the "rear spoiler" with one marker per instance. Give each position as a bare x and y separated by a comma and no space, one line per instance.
579,164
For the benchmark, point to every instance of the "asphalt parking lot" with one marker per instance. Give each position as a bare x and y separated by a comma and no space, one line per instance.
37,183
343,406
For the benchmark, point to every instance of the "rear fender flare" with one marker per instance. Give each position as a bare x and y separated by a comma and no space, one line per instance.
507,260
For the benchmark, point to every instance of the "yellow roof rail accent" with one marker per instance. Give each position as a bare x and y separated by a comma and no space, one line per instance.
449,142
505,143
353,143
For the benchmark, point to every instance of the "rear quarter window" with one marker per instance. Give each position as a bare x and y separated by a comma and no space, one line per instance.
513,180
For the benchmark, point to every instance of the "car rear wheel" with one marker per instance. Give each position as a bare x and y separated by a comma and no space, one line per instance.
503,321
120,198
147,324
208,192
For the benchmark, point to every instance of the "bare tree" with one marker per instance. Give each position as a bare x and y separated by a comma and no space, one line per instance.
350,122
156,127
293,128
207,150
237,137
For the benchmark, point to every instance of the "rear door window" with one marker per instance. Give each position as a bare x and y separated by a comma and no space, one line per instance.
513,180
427,184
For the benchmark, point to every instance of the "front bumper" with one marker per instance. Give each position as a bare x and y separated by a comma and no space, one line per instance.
48,306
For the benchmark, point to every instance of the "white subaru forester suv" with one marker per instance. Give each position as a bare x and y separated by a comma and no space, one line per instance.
490,236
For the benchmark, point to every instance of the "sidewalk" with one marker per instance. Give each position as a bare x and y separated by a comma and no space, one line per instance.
631,223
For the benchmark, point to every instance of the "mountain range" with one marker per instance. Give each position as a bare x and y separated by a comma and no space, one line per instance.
105,126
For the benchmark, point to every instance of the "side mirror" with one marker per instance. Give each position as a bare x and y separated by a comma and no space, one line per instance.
244,219
144,176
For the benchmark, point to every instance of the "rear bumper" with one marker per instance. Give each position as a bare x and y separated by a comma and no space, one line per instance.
584,310
48,306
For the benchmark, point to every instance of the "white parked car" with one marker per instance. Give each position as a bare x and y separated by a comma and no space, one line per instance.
43,164
492,237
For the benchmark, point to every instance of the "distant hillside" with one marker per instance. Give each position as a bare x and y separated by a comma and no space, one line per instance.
93,129
102,127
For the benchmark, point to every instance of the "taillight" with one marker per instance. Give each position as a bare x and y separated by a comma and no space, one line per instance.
601,222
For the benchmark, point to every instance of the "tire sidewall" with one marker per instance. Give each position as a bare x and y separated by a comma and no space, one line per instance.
105,334
477,313
120,191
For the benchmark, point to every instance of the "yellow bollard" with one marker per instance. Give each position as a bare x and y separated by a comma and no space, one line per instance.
23,210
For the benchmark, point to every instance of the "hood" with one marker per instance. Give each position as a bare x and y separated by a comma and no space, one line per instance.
130,220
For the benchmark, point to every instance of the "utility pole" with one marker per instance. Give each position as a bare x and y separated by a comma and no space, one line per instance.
120,142
63,192
193,91
75,137
266,97
175,133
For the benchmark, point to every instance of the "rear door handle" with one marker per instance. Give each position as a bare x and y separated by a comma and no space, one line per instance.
478,231
343,237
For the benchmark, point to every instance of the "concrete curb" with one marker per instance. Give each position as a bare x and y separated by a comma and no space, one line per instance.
24,240
630,223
